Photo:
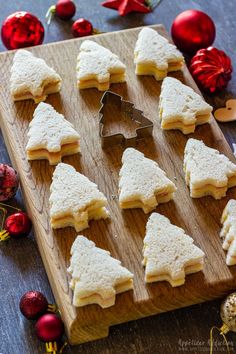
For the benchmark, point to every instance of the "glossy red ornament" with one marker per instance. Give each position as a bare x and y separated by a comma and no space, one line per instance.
9,182
65,9
126,6
22,29
81,28
193,30
49,328
33,304
211,68
18,224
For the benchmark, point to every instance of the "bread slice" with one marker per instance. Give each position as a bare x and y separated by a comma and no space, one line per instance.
169,254
98,67
51,136
155,55
74,199
96,277
181,107
228,231
207,172
142,183
32,78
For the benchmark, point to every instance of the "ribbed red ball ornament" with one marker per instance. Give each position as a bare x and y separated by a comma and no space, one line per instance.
211,68
22,29
49,328
193,30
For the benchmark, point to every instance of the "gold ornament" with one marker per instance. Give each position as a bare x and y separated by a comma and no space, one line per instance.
228,316
228,313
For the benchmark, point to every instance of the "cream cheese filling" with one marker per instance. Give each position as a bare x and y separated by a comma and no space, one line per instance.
151,69
185,128
49,88
96,298
54,157
161,197
90,83
193,268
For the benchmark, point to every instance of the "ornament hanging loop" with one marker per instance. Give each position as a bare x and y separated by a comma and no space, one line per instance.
52,347
222,330
4,234
51,11
52,308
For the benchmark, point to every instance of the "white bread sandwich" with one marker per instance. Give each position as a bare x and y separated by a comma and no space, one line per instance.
96,277
74,199
228,231
98,67
142,183
32,78
155,55
169,254
51,136
181,107
207,172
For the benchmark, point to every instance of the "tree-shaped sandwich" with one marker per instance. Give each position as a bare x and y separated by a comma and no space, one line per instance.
228,231
74,199
142,183
181,107
98,67
96,277
168,253
32,78
207,172
51,136
155,55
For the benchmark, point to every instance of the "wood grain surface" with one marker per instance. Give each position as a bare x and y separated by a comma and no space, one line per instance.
185,329
122,235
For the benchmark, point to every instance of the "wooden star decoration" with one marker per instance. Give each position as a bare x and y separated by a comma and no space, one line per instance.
126,6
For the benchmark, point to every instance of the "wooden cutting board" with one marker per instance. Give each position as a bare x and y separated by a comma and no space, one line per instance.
123,234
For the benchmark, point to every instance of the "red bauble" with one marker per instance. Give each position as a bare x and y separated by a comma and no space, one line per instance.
81,28
49,328
126,6
9,182
21,30
65,9
193,30
211,68
33,304
18,224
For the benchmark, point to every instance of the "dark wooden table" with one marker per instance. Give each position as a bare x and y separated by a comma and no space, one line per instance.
186,330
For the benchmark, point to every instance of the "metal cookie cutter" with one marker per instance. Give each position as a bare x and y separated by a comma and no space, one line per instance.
126,108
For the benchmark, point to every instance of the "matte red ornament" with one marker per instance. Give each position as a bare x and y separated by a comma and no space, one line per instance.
9,182
18,224
22,29
33,304
193,30
211,68
81,28
126,6
49,328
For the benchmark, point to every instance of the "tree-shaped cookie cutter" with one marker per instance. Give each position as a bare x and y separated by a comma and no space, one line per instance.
145,125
